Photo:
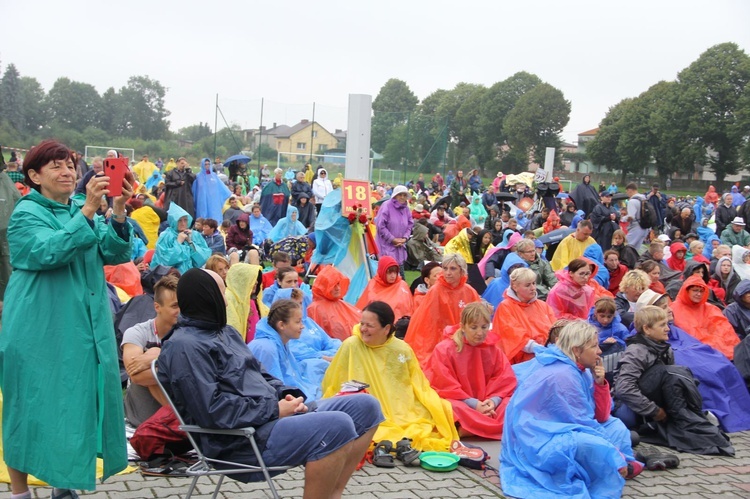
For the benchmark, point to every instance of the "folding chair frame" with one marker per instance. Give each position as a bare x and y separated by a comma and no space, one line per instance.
203,467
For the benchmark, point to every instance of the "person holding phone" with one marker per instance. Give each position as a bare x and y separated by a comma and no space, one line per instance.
560,413
59,372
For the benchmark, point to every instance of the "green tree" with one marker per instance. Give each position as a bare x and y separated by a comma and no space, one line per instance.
466,125
11,98
498,101
111,118
34,109
195,133
712,87
602,149
145,115
673,150
393,105
73,104
537,120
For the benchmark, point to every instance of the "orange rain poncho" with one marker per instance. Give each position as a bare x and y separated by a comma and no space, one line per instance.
334,315
441,307
397,295
711,195
704,321
516,322
479,372
552,223
126,277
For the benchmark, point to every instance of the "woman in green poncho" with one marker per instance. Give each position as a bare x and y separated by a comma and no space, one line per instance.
58,358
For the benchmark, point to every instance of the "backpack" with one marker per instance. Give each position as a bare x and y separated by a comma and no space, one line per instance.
647,218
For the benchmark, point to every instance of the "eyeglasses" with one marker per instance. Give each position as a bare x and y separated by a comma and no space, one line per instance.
583,274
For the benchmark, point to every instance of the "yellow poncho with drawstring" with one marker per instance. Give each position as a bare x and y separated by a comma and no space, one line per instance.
411,407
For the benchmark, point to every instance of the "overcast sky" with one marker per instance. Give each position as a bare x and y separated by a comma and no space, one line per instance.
295,53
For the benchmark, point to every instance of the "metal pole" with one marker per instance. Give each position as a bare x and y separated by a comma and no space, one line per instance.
260,134
408,128
216,123
312,134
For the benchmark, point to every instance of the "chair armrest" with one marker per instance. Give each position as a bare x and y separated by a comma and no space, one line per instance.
240,432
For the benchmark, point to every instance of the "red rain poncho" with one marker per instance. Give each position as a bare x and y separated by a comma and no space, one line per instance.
704,321
397,295
516,322
334,315
673,262
479,372
441,307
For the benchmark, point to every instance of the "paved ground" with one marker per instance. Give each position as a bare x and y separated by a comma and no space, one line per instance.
699,477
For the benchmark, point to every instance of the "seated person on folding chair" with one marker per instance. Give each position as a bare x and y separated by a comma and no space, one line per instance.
145,406
215,382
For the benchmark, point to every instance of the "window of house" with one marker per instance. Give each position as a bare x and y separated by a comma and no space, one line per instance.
322,147
301,146
315,134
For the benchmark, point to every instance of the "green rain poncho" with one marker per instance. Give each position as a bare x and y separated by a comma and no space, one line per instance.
58,358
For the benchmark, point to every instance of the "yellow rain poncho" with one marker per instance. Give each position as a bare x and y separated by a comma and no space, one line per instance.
461,245
143,170
149,222
411,407
242,279
170,165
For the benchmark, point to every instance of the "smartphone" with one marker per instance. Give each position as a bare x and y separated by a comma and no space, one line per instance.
115,169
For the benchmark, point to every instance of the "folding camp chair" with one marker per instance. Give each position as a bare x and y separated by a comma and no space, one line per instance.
204,465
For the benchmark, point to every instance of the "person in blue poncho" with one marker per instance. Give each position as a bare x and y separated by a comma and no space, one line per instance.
287,226
274,197
559,438
594,253
314,349
606,320
178,246
259,225
494,292
271,347
209,193
153,181
286,278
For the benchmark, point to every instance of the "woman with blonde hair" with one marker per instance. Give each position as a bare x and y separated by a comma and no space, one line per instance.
470,372
521,320
560,415
218,264
632,286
